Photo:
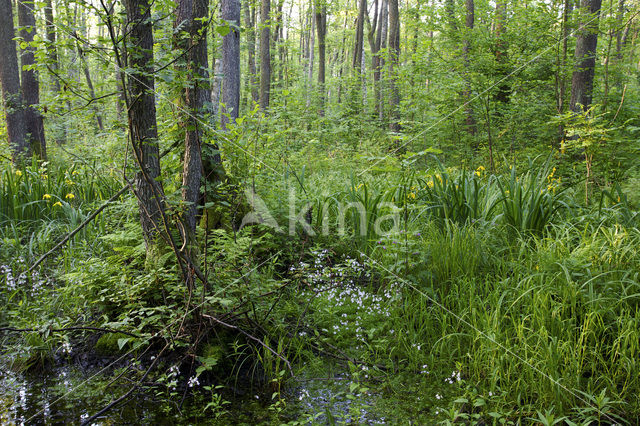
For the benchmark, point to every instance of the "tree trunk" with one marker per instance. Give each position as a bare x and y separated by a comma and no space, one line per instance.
142,119
52,55
359,43
619,29
191,18
312,49
466,48
10,80
375,47
321,25
249,17
265,54
29,78
394,62
381,40
277,39
87,75
230,64
585,56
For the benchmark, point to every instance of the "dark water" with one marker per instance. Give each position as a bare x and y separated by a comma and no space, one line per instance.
70,394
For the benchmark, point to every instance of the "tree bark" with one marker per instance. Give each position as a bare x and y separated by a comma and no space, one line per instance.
359,42
190,18
10,80
230,64
312,50
249,18
60,135
265,54
29,81
321,25
381,41
142,119
87,75
394,62
585,56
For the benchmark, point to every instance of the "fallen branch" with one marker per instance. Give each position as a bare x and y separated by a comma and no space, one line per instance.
126,395
57,330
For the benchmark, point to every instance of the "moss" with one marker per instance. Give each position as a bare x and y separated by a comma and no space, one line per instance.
108,344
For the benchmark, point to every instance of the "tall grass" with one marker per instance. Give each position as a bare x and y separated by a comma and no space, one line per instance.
35,192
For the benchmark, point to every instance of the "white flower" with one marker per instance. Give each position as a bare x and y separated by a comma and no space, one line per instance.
193,381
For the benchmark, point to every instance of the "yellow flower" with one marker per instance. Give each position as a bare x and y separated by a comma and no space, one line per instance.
430,184
70,196
480,168
69,182
75,172
18,173
57,204
46,197
412,195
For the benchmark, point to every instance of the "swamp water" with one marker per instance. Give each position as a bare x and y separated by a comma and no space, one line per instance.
70,394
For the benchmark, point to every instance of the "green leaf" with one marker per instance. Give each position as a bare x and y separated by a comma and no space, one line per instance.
123,341
223,30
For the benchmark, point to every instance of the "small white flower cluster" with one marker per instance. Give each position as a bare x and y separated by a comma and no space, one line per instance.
193,381
66,347
321,271
424,369
174,371
14,283
455,377
303,394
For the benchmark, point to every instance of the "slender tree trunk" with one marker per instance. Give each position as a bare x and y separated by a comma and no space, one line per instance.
585,56
312,49
394,62
374,46
277,39
466,48
29,77
561,74
321,25
607,61
341,59
383,28
265,54
249,17
191,17
230,64
142,119
10,80
87,75
52,55
359,42
619,29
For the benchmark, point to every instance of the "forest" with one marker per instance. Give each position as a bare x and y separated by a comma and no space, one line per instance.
320,212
